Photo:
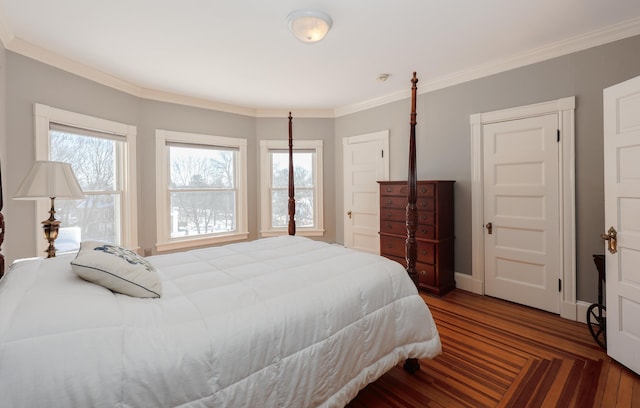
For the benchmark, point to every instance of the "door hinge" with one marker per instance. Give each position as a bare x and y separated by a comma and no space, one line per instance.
559,285
558,135
382,153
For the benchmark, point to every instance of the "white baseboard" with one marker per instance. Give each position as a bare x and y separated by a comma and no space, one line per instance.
466,282
571,311
581,309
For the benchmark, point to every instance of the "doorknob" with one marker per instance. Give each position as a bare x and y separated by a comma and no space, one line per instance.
612,239
489,228
349,214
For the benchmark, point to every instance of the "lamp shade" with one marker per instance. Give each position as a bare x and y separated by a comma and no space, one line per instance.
309,25
49,179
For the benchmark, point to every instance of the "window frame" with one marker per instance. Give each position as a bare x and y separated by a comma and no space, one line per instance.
44,115
267,230
164,242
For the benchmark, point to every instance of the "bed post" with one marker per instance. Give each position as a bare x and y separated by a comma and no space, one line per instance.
292,200
411,364
412,212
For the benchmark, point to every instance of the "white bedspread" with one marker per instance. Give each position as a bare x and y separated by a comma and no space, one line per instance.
277,322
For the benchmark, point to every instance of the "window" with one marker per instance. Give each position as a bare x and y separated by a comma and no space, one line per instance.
201,193
102,155
307,164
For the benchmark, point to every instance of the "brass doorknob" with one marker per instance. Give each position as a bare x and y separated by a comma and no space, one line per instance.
349,214
612,239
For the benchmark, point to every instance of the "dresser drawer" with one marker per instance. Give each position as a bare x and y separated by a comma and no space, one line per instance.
392,246
426,272
400,228
394,214
399,202
393,227
396,246
422,190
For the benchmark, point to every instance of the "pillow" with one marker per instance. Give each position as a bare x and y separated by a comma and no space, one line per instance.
117,269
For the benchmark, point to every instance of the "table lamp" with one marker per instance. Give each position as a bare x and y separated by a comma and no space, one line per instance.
53,180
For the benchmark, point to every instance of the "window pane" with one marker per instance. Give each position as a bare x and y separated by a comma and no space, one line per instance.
94,215
302,169
280,208
202,212
193,167
93,159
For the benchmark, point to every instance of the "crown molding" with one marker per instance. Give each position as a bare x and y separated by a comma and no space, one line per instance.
606,35
612,33
296,113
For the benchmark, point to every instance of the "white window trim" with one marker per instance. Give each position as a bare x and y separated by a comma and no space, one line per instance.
265,185
164,242
44,115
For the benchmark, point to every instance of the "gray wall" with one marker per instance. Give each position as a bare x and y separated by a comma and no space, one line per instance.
443,137
443,143
30,82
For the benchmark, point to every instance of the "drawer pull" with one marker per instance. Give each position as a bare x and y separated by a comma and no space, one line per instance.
389,201
423,190
389,226
389,189
424,231
423,253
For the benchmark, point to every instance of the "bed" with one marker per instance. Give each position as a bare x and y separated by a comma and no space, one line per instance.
277,322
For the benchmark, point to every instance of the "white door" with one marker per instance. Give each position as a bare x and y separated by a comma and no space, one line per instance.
622,213
521,211
366,161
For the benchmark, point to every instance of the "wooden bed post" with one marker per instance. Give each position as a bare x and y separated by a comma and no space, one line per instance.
412,211
411,364
292,200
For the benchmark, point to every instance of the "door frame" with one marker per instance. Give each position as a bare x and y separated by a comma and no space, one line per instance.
565,109
381,135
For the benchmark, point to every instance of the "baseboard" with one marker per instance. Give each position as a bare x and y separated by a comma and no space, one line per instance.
466,282
581,309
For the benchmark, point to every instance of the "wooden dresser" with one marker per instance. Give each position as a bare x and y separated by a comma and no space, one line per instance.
434,235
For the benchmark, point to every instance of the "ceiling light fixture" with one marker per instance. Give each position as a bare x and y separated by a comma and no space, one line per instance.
309,25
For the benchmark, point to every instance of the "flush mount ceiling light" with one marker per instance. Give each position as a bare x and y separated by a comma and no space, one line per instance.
309,25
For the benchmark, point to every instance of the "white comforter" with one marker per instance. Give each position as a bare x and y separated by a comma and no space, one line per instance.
277,322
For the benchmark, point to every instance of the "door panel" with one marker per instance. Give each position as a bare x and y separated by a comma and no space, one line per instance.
622,212
521,201
364,165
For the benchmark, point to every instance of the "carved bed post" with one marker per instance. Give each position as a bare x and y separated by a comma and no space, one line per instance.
412,212
411,364
292,200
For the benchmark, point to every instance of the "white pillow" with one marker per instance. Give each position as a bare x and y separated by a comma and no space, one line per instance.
117,269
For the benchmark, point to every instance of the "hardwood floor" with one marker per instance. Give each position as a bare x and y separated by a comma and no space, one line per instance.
499,354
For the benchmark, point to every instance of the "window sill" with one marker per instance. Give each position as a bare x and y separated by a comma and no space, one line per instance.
198,242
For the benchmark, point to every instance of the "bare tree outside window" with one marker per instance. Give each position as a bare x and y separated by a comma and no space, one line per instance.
202,190
93,160
304,188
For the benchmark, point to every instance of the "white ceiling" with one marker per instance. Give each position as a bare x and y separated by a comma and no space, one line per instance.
240,52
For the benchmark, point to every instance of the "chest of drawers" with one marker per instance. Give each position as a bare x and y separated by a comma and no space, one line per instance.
434,235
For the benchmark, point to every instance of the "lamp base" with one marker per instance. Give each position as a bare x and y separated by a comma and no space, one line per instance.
51,227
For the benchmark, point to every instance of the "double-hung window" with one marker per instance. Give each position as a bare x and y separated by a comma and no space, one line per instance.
274,174
102,155
201,192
